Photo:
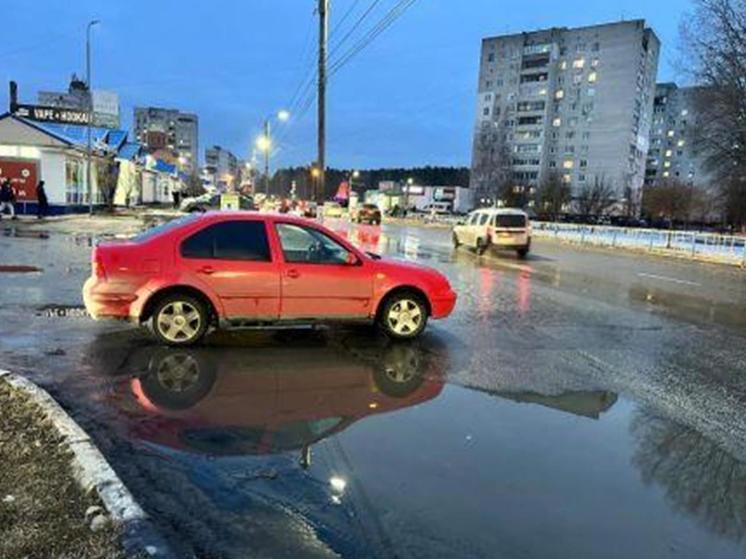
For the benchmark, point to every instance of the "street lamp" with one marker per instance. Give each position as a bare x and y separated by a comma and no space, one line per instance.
264,143
410,182
90,112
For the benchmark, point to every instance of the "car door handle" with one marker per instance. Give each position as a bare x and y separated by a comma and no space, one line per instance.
208,270
293,274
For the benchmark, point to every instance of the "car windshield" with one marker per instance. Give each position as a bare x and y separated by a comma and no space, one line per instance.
164,228
510,220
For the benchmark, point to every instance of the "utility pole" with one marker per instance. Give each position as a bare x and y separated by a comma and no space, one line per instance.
89,186
323,39
268,139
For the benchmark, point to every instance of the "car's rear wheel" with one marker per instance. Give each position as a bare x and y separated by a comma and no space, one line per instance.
179,320
403,316
523,251
456,241
482,245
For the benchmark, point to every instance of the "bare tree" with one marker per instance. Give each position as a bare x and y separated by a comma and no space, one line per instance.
596,198
493,172
107,174
554,194
714,47
194,185
671,200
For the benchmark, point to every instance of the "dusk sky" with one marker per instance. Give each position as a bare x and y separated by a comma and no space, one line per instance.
408,99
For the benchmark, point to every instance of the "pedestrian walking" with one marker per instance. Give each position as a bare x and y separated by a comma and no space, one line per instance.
42,204
7,199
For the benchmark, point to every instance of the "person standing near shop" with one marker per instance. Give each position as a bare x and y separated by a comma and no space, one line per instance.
42,204
7,198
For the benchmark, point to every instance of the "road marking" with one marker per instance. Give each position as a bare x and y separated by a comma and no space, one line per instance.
672,280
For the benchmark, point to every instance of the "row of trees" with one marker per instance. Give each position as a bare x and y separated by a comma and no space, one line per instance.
305,182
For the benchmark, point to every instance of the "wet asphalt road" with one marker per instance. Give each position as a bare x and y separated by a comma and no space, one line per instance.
577,404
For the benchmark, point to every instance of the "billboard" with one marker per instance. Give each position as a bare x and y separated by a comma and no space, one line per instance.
23,175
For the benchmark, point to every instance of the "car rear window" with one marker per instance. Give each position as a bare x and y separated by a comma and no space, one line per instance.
510,221
229,240
164,228
483,219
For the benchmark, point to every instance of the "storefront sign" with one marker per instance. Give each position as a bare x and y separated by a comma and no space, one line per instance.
23,175
40,113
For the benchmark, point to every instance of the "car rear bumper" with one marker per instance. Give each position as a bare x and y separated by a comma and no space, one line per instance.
101,301
443,305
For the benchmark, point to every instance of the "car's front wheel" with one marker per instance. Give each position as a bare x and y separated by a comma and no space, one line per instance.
179,320
456,241
482,245
403,316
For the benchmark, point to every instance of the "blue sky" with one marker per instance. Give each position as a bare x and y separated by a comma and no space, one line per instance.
407,99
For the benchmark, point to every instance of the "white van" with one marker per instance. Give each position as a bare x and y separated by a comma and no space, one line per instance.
503,228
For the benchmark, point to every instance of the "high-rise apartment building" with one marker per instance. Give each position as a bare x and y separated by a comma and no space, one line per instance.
577,102
222,167
673,152
169,129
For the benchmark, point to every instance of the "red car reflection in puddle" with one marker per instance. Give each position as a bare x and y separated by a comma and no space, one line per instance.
227,402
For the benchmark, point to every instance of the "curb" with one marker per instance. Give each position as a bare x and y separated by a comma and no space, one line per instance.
93,472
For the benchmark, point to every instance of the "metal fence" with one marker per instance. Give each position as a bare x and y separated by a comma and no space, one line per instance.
691,244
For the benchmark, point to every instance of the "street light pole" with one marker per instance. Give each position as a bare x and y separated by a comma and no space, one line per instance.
89,186
323,40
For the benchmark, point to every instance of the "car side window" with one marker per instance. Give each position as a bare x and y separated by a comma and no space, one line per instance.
309,246
473,219
229,240
483,219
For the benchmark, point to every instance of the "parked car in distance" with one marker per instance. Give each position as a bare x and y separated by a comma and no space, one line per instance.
332,209
503,228
438,208
367,213
241,269
207,202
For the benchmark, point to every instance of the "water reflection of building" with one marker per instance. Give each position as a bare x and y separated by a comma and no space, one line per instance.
587,404
697,475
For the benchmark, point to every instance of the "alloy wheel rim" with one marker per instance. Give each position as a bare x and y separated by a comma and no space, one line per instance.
404,317
179,321
178,373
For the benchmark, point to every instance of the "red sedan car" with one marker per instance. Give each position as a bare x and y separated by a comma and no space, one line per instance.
240,269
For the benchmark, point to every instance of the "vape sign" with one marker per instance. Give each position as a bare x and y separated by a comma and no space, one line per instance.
23,175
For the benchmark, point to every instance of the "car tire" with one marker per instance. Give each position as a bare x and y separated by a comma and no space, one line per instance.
482,245
179,320
523,251
400,372
403,315
178,379
456,242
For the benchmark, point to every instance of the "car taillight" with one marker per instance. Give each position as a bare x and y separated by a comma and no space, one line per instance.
98,267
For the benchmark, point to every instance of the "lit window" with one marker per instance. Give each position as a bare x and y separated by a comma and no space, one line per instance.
667,164
671,133
542,92
579,63
568,164
560,94
591,91
592,77
666,174
595,62
557,122
566,178
684,112
563,65
681,143
669,153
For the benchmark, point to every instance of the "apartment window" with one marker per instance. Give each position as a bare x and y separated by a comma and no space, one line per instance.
583,163
666,174
667,164
578,63
586,135
669,153
542,91
685,112
592,77
596,47
491,57
500,83
591,92
681,143
557,122
577,79
568,164
552,164
570,135
488,84
573,122
563,65
567,179
560,94
581,177
671,133
569,149
595,62
486,111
